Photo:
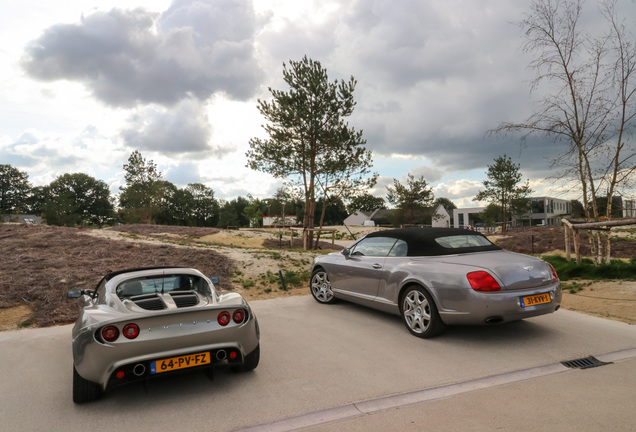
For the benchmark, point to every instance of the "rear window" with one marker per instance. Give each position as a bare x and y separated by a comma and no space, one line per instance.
462,241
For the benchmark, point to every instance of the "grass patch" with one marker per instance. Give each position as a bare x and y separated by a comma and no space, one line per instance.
269,278
574,287
246,283
616,269
293,279
296,278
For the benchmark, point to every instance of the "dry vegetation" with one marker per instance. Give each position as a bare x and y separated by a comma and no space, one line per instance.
41,263
545,240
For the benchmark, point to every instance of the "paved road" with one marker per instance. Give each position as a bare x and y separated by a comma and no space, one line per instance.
328,359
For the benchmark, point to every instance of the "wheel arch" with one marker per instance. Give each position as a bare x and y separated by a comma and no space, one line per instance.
318,267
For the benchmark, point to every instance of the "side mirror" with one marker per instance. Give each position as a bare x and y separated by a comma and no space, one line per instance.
77,293
73,294
215,280
346,252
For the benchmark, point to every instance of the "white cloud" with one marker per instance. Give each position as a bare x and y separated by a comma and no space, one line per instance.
127,57
82,84
430,174
461,192
181,131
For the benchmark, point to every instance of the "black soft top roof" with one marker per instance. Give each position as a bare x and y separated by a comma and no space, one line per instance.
421,241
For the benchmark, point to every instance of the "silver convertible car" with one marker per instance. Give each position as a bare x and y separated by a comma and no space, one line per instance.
141,323
432,277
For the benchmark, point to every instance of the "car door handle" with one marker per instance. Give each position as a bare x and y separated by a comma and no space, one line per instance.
377,266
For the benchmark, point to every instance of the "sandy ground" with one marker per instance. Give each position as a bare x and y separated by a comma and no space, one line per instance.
257,269
614,300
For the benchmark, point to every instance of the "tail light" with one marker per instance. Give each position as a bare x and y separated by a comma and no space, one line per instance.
131,331
238,316
555,276
110,333
224,318
482,281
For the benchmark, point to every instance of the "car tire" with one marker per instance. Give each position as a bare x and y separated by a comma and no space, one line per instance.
84,390
251,361
420,314
321,287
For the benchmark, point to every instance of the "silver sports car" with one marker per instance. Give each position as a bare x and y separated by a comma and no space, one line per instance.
432,277
141,323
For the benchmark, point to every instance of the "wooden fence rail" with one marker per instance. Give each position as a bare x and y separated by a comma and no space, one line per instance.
572,233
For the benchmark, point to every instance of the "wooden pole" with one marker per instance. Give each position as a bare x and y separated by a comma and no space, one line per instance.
577,246
566,230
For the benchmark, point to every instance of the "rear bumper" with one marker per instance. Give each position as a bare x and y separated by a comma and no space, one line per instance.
99,362
126,373
497,307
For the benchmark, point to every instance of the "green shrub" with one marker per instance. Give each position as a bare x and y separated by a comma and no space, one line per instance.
296,279
616,269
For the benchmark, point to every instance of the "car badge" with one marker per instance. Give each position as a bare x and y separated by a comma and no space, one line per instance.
528,268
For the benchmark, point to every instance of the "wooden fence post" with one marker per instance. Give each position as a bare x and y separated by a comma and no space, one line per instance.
566,230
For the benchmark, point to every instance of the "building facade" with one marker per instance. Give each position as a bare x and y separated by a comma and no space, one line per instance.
466,217
548,211
544,211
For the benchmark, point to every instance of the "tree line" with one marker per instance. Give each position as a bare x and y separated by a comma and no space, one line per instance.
79,199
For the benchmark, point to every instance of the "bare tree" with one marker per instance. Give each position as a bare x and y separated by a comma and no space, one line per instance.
589,102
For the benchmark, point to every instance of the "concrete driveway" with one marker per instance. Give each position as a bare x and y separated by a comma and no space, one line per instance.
319,363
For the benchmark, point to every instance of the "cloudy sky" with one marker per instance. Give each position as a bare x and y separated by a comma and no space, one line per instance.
83,83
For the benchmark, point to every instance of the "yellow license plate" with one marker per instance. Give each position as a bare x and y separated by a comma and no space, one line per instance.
535,299
181,362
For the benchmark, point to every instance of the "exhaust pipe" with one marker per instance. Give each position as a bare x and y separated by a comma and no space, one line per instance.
221,355
494,320
139,369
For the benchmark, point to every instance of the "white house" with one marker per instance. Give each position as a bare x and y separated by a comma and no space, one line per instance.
288,220
23,219
463,217
441,218
382,217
